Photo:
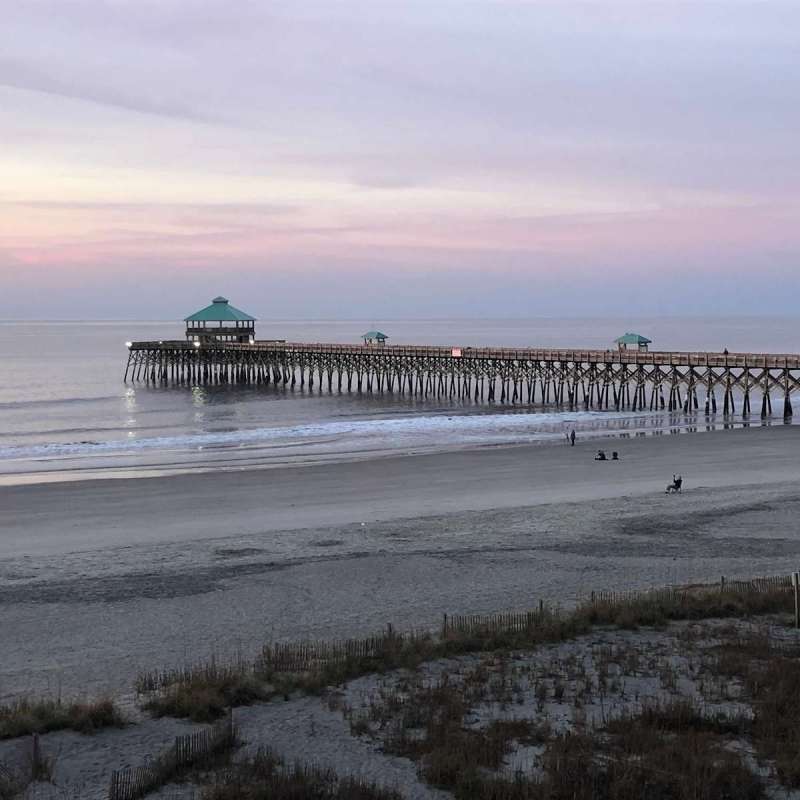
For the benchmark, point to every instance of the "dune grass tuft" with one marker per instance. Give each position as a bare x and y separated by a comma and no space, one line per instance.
771,677
206,699
26,716
264,777
672,750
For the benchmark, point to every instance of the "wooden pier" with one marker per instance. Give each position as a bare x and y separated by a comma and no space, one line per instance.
589,379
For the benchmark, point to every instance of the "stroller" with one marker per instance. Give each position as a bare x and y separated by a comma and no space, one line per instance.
675,486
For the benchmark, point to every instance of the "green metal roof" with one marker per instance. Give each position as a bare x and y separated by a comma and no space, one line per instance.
220,310
374,335
633,338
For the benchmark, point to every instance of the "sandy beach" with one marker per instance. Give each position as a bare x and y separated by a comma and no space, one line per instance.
99,579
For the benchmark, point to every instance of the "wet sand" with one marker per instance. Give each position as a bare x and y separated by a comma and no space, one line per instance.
101,578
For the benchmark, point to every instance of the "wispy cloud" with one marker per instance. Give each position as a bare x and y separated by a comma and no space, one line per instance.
29,78
511,143
104,206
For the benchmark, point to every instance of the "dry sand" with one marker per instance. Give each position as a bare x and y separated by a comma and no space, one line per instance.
101,578
641,668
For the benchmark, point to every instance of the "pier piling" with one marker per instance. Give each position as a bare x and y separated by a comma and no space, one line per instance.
588,379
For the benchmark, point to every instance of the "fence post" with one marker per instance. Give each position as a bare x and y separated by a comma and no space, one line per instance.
444,626
35,757
796,587
722,584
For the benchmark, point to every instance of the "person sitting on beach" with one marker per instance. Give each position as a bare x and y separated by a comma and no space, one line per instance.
615,456
675,486
601,456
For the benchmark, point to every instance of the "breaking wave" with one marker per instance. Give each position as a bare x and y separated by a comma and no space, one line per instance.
419,429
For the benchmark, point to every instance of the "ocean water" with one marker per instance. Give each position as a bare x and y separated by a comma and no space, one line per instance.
65,411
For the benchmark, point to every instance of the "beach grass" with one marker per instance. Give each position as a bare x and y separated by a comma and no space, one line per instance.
263,776
669,745
203,692
673,748
207,699
770,676
27,716
667,750
642,762
209,766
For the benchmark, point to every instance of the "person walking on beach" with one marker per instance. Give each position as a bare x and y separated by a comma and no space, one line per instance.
572,437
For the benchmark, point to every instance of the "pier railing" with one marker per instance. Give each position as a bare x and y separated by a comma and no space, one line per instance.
654,357
620,379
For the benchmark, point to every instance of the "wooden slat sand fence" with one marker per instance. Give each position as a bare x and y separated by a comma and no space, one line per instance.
457,625
194,750
775,583
379,650
669,594
210,671
678,594
505,622
290,657
311,656
36,766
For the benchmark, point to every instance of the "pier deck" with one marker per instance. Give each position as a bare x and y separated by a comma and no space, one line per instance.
601,379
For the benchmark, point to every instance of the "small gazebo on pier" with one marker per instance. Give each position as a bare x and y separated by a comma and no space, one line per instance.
634,341
220,322
374,337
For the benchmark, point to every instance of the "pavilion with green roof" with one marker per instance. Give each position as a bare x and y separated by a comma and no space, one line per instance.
220,322
633,340
374,337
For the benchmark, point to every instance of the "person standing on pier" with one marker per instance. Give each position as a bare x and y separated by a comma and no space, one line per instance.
572,437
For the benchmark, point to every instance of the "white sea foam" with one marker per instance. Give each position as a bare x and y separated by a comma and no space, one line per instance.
434,429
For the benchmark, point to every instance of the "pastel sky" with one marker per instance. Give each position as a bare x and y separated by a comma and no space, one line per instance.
398,159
